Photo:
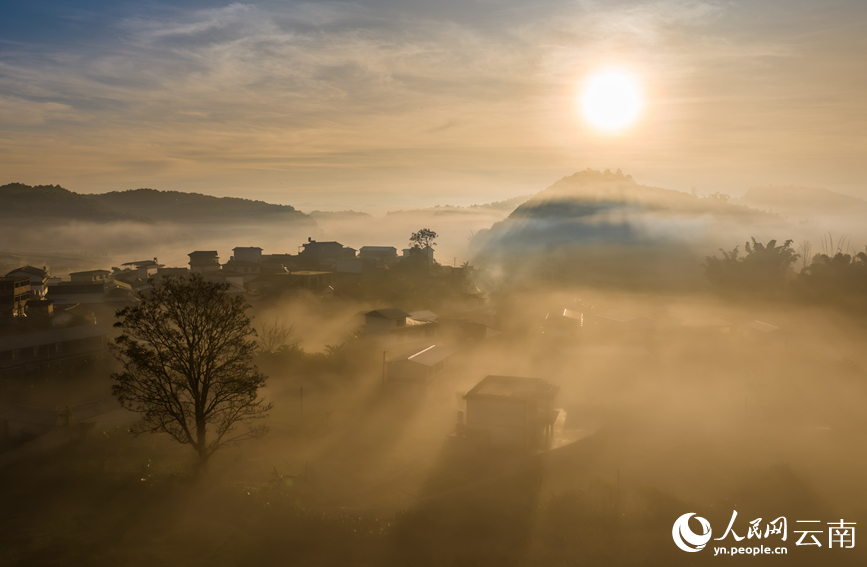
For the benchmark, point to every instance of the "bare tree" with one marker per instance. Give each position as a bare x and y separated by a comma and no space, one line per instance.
276,336
186,352
804,250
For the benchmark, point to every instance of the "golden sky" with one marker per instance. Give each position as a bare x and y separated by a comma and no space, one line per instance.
386,103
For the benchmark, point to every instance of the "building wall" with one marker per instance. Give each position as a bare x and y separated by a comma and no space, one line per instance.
242,255
505,422
379,325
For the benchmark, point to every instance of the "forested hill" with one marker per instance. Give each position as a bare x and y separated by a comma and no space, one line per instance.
195,207
23,202
147,205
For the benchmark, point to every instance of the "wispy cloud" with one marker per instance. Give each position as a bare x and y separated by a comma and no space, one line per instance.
279,88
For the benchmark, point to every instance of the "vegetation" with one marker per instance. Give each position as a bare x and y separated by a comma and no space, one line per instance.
833,278
763,270
425,238
186,353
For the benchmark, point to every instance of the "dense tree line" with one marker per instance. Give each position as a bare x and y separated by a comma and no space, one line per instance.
768,271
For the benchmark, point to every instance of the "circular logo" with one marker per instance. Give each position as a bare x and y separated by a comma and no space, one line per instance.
685,538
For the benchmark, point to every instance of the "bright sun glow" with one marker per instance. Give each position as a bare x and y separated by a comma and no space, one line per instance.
611,101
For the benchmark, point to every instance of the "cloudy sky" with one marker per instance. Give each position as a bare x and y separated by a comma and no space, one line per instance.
391,103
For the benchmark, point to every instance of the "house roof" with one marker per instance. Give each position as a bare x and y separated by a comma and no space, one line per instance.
513,387
116,284
52,336
423,315
246,248
377,248
30,270
762,327
391,313
200,253
427,356
90,273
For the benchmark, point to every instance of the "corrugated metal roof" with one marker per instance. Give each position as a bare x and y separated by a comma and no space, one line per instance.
427,356
423,315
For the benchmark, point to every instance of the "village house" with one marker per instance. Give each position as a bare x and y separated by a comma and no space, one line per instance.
315,254
396,326
381,255
252,254
202,261
143,268
415,370
38,279
14,293
510,411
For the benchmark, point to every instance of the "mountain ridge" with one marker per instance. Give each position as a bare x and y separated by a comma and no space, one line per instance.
53,202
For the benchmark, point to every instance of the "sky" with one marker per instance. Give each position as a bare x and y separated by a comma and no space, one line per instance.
336,105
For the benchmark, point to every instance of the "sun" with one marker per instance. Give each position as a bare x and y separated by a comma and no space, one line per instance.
611,101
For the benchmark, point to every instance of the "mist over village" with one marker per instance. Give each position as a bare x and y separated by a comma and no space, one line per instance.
382,283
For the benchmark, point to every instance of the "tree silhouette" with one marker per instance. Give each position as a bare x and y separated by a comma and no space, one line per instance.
186,353
423,238
764,269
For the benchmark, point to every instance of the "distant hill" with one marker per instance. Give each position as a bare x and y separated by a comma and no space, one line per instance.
604,228
803,202
507,205
53,202
195,207
24,202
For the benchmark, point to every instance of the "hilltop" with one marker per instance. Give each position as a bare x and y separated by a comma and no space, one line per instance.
194,207
53,202
604,228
